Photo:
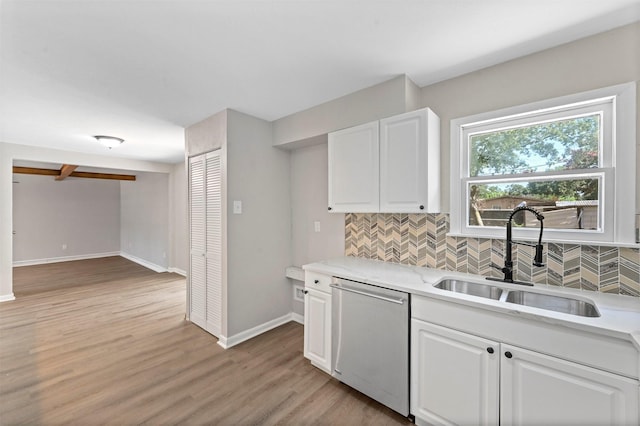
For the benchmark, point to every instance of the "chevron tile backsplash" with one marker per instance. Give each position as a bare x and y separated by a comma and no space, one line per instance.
420,239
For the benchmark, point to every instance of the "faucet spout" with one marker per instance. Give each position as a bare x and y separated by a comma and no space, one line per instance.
508,256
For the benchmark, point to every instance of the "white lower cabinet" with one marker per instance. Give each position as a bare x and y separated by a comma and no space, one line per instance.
317,320
454,377
537,389
461,379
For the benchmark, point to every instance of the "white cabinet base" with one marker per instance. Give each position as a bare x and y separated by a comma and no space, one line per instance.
454,377
538,389
317,321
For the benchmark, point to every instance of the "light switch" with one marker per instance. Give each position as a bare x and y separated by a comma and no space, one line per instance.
237,207
316,226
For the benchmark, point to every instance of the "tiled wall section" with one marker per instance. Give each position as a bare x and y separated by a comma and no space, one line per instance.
420,239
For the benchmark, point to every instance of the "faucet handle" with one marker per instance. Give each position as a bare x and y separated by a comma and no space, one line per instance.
494,266
537,260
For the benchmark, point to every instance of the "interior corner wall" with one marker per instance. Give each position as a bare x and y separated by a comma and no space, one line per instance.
144,220
179,219
10,152
258,239
372,103
309,202
602,60
6,223
70,219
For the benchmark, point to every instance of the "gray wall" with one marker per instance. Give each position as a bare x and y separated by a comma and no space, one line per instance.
309,181
144,220
179,218
602,60
258,240
594,62
9,153
392,97
83,214
206,135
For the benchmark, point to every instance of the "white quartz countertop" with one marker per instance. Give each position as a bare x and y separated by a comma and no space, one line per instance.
619,315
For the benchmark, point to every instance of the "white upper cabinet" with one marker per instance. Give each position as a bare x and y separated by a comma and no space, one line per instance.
386,166
410,163
353,169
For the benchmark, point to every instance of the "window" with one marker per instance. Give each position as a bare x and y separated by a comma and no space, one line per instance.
562,157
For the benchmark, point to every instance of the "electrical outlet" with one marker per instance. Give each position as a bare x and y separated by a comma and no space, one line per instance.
298,293
316,226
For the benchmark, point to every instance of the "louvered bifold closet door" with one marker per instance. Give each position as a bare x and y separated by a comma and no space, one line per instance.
214,243
197,232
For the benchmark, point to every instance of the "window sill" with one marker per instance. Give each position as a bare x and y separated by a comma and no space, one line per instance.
551,240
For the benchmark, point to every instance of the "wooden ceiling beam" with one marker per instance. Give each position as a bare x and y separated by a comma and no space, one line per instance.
65,171
88,175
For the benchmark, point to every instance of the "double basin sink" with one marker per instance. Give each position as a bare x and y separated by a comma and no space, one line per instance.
549,302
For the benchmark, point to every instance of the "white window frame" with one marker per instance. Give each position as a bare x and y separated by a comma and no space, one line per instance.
617,164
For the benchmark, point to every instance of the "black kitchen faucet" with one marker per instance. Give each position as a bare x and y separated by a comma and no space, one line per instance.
508,255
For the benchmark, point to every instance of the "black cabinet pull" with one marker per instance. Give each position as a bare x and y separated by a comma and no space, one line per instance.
421,207
508,354
329,208
316,281
305,291
490,350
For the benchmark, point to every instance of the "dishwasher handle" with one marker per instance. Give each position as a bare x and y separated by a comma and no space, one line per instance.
364,293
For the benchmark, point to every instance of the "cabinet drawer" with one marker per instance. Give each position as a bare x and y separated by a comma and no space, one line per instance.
317,281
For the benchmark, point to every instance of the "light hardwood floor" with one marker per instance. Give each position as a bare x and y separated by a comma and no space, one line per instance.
104,341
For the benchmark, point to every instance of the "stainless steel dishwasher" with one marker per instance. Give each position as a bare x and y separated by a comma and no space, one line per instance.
370,341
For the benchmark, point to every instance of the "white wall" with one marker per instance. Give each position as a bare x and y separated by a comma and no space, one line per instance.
144,220
179,236
259,239
83,214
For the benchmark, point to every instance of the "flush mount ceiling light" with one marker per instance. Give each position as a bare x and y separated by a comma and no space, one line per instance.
109,141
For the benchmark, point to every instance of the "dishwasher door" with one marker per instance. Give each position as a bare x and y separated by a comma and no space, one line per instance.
370,341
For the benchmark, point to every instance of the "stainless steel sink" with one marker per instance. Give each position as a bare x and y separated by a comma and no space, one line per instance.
473,289
553,303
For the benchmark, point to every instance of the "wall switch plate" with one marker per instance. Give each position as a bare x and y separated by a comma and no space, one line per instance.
316,226
237,207
64,247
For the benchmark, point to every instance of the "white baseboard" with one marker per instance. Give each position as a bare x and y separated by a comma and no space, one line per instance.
178,271
145,263
297,318
227,342
18,263
7,297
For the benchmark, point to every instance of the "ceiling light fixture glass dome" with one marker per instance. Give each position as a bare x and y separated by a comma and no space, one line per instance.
109,141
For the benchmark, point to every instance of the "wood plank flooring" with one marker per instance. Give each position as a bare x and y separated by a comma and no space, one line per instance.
104,341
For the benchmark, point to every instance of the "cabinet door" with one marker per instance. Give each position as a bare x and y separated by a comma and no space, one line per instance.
539,389
353,169
410,163
317,328
197,294
454,376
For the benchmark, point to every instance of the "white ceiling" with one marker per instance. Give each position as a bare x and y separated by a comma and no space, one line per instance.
143,70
